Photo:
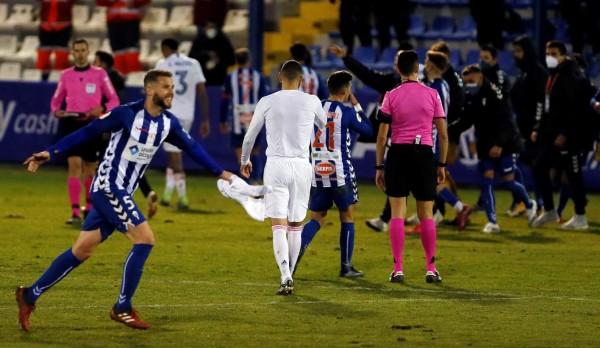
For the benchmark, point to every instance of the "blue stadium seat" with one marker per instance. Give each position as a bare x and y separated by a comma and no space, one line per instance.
327,62
431,2
517,4
472,57
466,30
455,57
456,3
417,26
365,55
561,27
442,27
507,62
594,70
315,51
422,53
386,59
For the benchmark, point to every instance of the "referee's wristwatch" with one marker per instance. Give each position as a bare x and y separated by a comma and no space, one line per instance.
379,167
442,164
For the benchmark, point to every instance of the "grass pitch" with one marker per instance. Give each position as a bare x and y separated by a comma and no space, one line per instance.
211,279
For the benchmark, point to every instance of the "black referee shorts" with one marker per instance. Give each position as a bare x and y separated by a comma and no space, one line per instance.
410,168
88,151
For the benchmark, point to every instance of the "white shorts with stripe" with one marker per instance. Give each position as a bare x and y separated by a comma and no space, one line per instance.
290,180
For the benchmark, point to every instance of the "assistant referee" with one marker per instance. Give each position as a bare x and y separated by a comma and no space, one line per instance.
411,110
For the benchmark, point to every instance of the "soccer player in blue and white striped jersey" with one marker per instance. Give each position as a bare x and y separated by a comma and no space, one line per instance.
243,88
333,174
312,82
137,131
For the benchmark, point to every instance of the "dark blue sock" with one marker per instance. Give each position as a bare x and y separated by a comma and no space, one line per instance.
448,196
519,175
488,198
60,267
257,168
347,243
519,192
565,194
132,273
309,231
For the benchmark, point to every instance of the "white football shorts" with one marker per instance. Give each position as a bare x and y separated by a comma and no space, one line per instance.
289,181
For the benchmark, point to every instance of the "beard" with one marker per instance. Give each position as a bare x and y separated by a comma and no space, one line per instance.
161,102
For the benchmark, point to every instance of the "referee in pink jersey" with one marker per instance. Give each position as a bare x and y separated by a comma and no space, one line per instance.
411,109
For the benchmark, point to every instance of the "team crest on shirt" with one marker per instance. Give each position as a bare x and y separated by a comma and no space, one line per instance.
325,168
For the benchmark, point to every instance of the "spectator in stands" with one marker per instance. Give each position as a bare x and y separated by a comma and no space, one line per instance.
312,82
87,93
106,61
215,53
488,61
559,134
355,20
54,33
205,10
242,90
123,19
391,13
527,97
489,17
583,17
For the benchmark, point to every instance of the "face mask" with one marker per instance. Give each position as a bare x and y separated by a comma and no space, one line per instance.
211,33
484,65
472,88
551,62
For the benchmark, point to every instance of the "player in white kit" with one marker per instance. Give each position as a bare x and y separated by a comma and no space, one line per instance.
189,81
289,117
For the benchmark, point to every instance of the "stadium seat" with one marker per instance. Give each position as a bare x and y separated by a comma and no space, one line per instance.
153,56
31,75
519,4
54,76
457,3
507,62
181,17
28,51
184,47
106,45
365,55
422,53
97,22
417,26
135,79
20,17
386,59
442,27
144,49
154,20
81,14
8,45
594,70
10,71
466,30
93,44
3,12
472,57
455,57
236,21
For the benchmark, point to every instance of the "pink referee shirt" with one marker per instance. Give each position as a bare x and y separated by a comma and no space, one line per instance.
84,90
412,108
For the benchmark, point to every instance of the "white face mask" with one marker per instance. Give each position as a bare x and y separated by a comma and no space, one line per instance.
211,33
551,62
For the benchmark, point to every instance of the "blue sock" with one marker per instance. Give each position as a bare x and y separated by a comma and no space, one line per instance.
448,196
60,267
309,231
519,192
132,273
257,168
519,175
489,201
565,194
347,243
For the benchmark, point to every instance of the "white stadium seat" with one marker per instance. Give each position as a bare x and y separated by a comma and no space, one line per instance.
8,46
20,16
154,18
184,47
154,56
10,71
28,51
3,12
135,79
97,22
54,76
182,18
106,46
81,14
32,75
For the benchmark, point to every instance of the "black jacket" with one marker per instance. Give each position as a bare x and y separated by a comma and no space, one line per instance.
457,98
498,77
490,112
203,48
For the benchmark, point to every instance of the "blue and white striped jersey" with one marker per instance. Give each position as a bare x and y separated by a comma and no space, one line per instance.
312,83
241,91
443,89
135,138
330,145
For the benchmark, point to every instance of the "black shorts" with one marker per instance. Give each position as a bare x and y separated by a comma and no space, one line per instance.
410,168
54,39
124,35
88,151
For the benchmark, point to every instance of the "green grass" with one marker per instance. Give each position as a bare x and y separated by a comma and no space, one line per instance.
211,279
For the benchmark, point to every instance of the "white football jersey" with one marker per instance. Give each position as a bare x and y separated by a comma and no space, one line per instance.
187,73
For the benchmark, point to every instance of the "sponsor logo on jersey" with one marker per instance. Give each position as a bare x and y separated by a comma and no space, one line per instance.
324,168
134,150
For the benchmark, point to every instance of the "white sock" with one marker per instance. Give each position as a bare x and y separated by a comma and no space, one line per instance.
170,185
280,248
294,244
180,184
459,206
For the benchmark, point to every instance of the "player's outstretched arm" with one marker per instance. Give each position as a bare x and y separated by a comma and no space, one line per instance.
36,160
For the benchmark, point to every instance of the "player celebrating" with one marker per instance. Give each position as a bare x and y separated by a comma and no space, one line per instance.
189,81
241,91
137,131
333,177
288,116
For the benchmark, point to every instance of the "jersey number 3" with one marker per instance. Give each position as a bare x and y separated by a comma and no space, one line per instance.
183,86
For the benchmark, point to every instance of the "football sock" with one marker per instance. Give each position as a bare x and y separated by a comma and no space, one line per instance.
519,193
397,240
180,185
132,59
88,198
488,198
280,248
61,59
309,231
170,185
565,194
43,59
347,243
74,185
120,63
428,238
294,238
132,273
449,197
59,268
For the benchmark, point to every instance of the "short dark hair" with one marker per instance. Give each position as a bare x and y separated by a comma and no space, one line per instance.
153,74
470,69
489,48
407,62
441,46
80,40
405,46
299,51
338,80
291,70
170,43
106,58
438,59
242,55
557,44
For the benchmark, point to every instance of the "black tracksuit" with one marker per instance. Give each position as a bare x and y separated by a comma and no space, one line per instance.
498,77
